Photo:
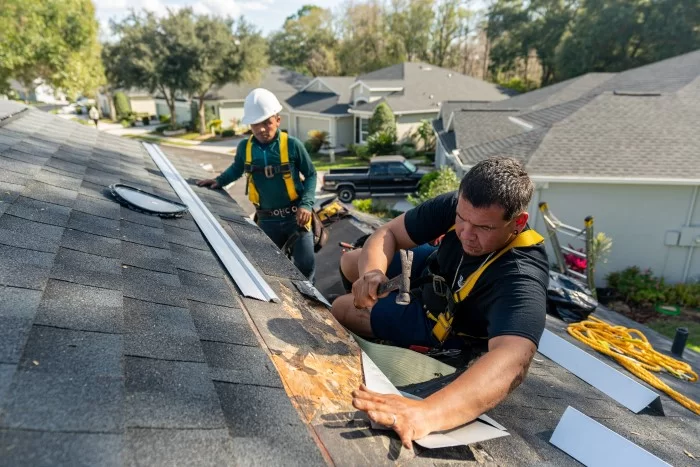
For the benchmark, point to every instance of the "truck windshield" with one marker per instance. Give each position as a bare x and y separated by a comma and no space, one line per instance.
412,168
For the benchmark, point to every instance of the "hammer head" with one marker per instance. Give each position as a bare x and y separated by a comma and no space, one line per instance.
404,297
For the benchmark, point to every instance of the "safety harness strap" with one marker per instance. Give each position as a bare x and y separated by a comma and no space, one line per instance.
443,322
270,171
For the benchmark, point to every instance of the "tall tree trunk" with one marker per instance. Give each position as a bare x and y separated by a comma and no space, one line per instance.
202,116
112,109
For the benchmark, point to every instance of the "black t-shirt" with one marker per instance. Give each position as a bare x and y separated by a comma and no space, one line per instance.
510,297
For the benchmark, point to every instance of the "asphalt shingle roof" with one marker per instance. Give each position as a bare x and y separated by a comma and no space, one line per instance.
426,86
121,340
282,82
638,123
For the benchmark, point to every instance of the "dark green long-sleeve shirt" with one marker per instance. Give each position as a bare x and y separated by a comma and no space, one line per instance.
273,192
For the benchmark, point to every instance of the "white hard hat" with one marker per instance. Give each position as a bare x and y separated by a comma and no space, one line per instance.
260,105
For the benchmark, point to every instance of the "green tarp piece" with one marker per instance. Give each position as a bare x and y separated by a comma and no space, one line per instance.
402,366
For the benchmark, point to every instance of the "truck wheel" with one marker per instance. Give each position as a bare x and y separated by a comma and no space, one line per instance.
346,194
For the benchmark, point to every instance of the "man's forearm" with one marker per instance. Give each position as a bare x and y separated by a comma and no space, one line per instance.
483,386
377,251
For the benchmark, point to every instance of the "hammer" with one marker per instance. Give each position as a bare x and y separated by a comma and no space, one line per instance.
402,282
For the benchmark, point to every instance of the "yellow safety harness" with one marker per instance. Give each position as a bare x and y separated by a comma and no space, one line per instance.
631,349
269,170
443,322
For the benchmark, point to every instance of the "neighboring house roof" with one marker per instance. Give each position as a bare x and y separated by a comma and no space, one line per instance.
425,87
596,125
335,102
123,340
280,81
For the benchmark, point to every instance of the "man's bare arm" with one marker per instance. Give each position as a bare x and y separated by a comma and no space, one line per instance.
375,257
484,385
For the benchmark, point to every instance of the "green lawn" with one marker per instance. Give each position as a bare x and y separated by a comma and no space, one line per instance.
322,162
668,329
151,139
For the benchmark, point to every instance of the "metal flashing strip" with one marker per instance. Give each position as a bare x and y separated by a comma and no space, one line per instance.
594,445
241,269
598,374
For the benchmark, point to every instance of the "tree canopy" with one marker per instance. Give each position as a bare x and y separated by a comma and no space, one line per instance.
54,40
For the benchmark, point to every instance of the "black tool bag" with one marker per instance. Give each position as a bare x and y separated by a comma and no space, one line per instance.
569,299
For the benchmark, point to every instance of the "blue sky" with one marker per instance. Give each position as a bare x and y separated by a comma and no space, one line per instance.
267,15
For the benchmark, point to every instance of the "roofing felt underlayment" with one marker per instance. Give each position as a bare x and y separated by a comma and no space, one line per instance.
123,341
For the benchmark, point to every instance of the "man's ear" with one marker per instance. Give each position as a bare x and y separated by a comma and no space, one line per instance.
521,220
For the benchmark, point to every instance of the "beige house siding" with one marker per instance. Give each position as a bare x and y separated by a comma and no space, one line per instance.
407,124
143,105
182,110
636,240
228,111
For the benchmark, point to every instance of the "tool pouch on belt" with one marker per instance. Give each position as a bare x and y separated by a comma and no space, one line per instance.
319,231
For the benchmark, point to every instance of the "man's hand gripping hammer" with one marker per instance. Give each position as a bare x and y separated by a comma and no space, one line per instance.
402,282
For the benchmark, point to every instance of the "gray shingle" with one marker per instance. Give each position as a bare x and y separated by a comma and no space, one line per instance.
60,449
58,180
67,381
17,310
166,394
147,257
9,192
19,155
95,225
14,178
87,269
97,207
159,447
144,235
100,178
30,235
20,167
160,332
66,166
7,371
152,286
140,218
185,237
193,260
222,324
39,211
240,364
24,268
206,289
79,307
270,428
50,194
89,243
94,191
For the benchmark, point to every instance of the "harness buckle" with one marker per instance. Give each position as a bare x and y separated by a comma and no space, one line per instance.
440,287
269,171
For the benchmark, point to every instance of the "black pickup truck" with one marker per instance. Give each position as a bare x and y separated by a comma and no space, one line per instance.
386,175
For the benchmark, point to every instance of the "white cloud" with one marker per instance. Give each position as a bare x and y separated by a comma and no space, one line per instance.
217,8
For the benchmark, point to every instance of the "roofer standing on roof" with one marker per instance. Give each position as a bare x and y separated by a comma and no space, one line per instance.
274,163
484,286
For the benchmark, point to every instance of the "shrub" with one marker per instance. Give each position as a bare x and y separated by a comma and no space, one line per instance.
308,144
78,110
164,119
146,120
381,144
426,135
444,182
382,121
161,128
126,123
643,288
228,132
362,152
215,125
363,205
408,152
121,105
319,139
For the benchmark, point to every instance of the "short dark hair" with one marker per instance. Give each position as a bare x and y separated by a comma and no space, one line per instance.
498,180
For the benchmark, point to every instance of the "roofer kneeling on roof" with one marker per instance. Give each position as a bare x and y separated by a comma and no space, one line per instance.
273,162
484,287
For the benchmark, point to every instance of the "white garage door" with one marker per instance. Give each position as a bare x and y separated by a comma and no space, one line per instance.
306,124
228,111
